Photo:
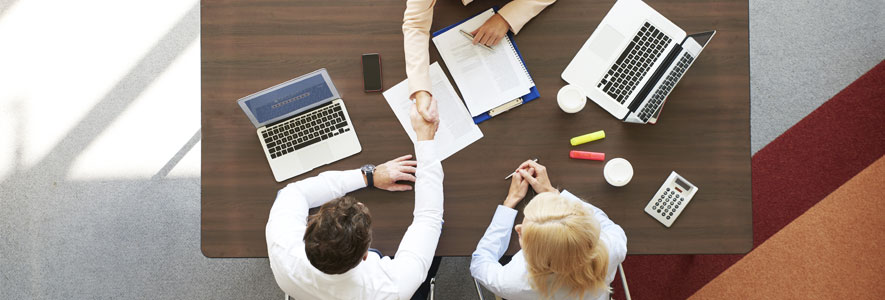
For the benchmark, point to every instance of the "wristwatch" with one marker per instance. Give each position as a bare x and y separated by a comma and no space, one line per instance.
368,170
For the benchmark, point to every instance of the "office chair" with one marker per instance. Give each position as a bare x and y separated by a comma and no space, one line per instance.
479,290
624,282
475,283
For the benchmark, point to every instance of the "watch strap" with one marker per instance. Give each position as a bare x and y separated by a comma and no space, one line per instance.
368,171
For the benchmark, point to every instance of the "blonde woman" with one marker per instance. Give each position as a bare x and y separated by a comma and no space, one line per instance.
570,249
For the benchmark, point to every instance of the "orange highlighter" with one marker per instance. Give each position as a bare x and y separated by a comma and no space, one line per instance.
586,155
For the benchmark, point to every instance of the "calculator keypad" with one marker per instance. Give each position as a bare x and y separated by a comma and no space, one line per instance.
667,204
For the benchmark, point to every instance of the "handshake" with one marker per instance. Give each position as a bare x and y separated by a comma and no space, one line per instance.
424,116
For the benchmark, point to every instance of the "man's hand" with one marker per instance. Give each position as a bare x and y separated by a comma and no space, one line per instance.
427,111
536,175
425,130
400,169
518,187
492,31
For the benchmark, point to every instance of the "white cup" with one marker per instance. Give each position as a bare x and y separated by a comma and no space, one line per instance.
571,99
618,172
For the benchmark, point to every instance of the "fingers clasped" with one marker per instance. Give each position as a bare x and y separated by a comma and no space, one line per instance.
536,175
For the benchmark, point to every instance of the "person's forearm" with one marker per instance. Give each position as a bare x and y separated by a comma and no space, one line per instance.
484,265
518,12
416,43
423,233
329,185
416,250
496,239
428,184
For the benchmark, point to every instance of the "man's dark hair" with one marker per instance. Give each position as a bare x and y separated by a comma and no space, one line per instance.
338,235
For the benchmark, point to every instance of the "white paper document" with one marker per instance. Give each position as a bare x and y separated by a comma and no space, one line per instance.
456,128
486,78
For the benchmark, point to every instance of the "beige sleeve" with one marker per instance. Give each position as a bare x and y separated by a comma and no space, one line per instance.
519,12
416,43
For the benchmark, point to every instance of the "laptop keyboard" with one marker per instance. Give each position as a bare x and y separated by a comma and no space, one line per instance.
305,130
624,76
666,86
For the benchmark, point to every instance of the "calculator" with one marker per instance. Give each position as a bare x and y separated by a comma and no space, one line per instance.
673,196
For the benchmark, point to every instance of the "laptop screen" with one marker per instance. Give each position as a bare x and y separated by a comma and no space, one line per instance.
289,98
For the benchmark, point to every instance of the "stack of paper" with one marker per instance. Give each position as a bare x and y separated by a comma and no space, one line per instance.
486,78
456,128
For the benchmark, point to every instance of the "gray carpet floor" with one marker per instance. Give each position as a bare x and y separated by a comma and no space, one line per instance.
139,238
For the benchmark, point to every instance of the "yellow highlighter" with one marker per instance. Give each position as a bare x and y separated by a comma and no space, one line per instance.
588,138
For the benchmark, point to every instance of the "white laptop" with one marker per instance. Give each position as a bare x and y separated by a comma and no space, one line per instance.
633,60
302,124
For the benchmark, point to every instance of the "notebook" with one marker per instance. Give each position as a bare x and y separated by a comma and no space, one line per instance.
456,129
491,81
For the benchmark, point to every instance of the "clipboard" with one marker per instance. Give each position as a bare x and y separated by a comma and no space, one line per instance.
533,91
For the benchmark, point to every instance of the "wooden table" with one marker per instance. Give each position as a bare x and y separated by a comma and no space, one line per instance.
703,134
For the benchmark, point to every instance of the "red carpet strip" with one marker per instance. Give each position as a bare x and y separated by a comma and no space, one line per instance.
791,174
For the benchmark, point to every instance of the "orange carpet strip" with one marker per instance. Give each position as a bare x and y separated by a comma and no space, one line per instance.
835,250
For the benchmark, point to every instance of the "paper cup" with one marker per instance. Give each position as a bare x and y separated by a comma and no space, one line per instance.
618,172
571,99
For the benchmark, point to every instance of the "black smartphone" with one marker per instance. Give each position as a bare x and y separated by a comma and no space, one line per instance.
372,72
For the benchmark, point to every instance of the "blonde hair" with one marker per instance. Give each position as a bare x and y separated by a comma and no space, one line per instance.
560,241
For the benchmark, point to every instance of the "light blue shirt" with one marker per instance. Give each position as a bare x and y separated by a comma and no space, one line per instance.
512,281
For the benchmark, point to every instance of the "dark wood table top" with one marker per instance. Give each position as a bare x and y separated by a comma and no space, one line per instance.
703,133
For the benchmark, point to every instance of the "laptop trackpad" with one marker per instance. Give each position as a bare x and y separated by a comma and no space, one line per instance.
606,43
315,155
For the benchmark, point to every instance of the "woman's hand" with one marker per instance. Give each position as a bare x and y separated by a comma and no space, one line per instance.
492,31
426,106
518,188
424,130
536,175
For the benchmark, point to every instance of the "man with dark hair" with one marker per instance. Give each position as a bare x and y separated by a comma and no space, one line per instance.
338,235
326,255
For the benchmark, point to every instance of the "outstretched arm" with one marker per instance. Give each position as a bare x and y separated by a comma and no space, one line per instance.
416,45
415,253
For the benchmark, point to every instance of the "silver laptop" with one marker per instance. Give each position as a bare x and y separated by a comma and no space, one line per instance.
302,124
633,60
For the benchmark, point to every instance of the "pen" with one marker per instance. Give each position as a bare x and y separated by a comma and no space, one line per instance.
470,36
514,172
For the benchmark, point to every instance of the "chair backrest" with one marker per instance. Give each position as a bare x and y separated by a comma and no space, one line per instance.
624,282
479,290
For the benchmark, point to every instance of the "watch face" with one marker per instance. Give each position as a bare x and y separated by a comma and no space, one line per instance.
368,168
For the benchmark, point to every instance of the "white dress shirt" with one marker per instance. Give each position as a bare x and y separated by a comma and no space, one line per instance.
512,281
376,277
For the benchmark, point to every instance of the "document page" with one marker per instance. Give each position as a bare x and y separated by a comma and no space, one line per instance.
486,78
456,128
